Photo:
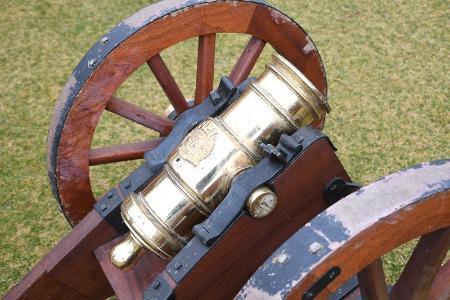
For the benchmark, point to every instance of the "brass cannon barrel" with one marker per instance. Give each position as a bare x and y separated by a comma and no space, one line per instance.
199,172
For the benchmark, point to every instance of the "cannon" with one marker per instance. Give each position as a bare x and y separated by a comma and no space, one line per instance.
241,195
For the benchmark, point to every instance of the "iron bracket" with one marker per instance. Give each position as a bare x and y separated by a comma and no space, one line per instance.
337,189
277,158
206,234
108,206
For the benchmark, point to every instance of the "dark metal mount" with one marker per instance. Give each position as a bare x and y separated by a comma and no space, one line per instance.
276,160
213,105
208,232
338,189
108,205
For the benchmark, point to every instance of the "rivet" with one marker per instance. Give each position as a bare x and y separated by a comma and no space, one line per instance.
92,62
103,206
280,258
155,284
177,265
315,247
110,195
127,184
104,40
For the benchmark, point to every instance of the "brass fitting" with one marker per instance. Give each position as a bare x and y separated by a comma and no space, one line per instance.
126,253
199,172
261,202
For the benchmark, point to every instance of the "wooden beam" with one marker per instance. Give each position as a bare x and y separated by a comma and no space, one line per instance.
70,269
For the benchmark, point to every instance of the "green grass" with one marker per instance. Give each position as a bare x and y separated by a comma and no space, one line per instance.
387,67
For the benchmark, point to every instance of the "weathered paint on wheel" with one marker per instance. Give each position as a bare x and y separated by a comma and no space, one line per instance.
355,231
129,45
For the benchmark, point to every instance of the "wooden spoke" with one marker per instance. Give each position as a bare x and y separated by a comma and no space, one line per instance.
139,115
372,282
168,83
124,152
440,289
205,66
247,60
154,29
422,266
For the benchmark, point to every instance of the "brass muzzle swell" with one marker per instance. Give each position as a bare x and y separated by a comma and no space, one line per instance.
199,172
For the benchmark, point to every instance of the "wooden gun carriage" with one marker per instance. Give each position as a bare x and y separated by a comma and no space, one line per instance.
324,238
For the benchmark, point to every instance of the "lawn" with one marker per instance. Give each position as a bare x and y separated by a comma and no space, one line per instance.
387,69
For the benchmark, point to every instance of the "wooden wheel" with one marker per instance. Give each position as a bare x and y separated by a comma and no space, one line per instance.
350,237
136,41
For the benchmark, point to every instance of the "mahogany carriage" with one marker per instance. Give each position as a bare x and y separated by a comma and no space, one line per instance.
323,237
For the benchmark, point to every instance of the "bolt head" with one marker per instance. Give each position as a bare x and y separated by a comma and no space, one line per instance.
156,284
127,184
280,258
104,40
261,202
91,63
177,265
315,247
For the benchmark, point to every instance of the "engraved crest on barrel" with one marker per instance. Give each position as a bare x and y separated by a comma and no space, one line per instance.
199,172
198,145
